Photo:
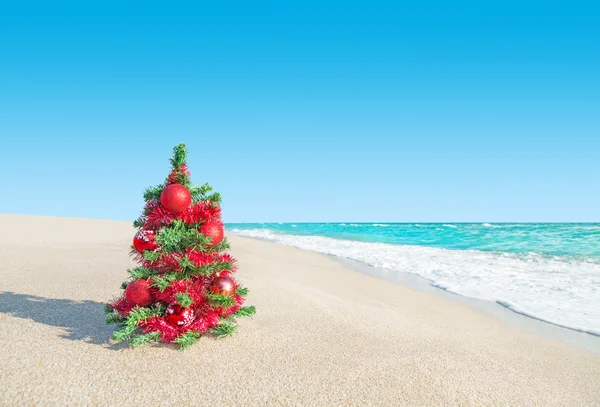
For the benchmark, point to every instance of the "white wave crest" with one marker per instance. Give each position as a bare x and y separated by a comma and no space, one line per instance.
551,289
489,225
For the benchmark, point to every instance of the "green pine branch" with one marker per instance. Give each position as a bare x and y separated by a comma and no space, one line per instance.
187,339
140,272
184,299
162,282
183,179
205,189
123,334
221,266
199,193
214,198
224,328
130,323
153,193
152,255
189,269
220,300
243,291
113,318
179,155
221,247
143,339
139,222
178,236
245,311
139,314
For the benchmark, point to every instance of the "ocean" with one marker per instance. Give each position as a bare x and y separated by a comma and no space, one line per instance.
548,271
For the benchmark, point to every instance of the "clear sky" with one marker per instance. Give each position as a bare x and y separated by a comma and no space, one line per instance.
304,110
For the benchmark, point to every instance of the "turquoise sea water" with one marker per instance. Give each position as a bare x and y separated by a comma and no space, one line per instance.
572,240
550,271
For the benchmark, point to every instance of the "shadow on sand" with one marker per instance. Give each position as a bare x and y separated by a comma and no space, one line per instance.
81,320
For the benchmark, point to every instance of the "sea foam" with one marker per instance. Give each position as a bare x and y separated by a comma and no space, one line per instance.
556,290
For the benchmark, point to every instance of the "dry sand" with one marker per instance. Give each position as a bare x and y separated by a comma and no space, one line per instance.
323,336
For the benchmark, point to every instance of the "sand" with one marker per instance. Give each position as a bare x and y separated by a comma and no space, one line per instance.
324,335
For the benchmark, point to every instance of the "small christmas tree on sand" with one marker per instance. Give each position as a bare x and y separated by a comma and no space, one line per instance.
184,285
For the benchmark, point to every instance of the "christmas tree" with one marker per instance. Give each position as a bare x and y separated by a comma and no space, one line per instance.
184,286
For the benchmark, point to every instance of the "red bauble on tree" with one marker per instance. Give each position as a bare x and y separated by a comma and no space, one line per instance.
179,316
176,198
144,240
223,285
214,230
225,273
138,293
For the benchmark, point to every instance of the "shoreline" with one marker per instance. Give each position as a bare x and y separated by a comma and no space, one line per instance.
585,340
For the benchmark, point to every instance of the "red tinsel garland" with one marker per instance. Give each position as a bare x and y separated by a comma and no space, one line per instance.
157,216
200,212
122,306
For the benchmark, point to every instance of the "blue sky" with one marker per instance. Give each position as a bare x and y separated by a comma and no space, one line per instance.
305,111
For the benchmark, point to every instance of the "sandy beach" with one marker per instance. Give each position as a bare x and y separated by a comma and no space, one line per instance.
323,335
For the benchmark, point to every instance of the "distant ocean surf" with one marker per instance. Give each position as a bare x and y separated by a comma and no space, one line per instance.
548,271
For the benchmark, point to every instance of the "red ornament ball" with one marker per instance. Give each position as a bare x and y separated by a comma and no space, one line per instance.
176,198
223,285
225,273
179,316
144,240
214,230
138,293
